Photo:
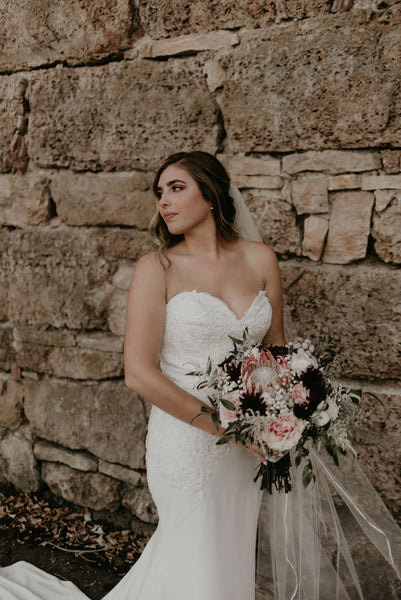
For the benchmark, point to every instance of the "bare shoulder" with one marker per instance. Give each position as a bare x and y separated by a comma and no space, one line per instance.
149,263
149,273
260,252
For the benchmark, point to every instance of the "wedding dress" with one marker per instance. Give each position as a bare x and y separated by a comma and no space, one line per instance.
208,504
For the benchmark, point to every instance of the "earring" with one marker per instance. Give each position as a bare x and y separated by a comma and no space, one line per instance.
211,208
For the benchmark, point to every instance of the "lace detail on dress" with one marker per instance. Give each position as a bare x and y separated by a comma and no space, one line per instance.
197,326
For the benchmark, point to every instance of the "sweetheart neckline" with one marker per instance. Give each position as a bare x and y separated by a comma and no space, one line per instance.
239,319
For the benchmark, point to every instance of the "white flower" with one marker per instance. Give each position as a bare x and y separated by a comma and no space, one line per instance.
301,360
320,418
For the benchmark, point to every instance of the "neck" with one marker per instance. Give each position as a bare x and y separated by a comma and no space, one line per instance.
205,241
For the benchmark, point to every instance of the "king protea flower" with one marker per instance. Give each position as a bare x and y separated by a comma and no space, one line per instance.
261,371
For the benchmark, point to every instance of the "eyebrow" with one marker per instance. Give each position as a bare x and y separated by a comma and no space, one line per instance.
171,183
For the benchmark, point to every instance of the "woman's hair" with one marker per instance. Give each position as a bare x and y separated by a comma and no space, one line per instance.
214,183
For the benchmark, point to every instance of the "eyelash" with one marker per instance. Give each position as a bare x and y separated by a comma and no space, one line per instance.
172,187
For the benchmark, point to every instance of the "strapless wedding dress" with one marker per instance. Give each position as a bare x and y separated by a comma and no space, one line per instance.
208,504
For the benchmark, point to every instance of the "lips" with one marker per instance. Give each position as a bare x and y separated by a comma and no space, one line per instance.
169,215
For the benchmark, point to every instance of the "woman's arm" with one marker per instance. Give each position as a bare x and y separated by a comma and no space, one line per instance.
145,320
274,291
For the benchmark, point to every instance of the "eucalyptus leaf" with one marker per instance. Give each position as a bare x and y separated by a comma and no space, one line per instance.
228,404
223,440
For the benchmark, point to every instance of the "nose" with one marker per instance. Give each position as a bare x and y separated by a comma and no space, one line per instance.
163,200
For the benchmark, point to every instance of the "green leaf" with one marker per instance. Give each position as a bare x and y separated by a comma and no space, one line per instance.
307,474
215,419
201,385
192,420
227,404
235,340
223,440
298,459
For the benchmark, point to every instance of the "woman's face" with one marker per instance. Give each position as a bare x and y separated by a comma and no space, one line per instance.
180,195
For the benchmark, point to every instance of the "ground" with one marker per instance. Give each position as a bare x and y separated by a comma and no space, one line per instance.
62,539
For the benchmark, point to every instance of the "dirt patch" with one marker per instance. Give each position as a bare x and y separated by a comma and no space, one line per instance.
63,540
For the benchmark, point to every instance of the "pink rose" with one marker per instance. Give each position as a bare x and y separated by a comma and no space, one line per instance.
226,415
284,432
300,394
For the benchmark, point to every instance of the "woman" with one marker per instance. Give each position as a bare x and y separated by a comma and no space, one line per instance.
182,307
204,284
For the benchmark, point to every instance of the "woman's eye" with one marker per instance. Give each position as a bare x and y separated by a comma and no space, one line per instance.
176,187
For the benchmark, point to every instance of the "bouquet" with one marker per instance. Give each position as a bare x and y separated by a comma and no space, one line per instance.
280,398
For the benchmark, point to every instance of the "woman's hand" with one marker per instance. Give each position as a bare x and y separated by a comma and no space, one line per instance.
256,450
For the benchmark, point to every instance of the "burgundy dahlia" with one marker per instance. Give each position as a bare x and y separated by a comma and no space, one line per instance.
313,381
252,402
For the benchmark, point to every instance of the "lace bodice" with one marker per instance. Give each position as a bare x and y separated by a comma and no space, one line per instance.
198,326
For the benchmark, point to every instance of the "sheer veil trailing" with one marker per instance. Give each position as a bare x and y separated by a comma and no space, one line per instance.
318,543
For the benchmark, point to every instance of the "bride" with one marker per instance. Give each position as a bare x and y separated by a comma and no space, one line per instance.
211,277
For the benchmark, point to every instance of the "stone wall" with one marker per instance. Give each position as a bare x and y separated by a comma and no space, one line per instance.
300,100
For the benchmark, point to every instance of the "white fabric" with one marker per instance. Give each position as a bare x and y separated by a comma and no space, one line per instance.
208,505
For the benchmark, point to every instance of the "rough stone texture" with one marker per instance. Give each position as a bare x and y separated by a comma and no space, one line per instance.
315,231
179,17
11,403
140,503
17,461
76,460
257,181
309,195
348,303
185,44
93,490
55,276
386,230
24,199
383,199
377,443
276,220
122,277
101,341
249,165
119,472
331,161
349,227
76,122
347,181
85,364
39,33
125,243
117,311
391,161
381,182
75,363
118,302
103,198
215,74
7,350
12,89
44,337
107,419
318,107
